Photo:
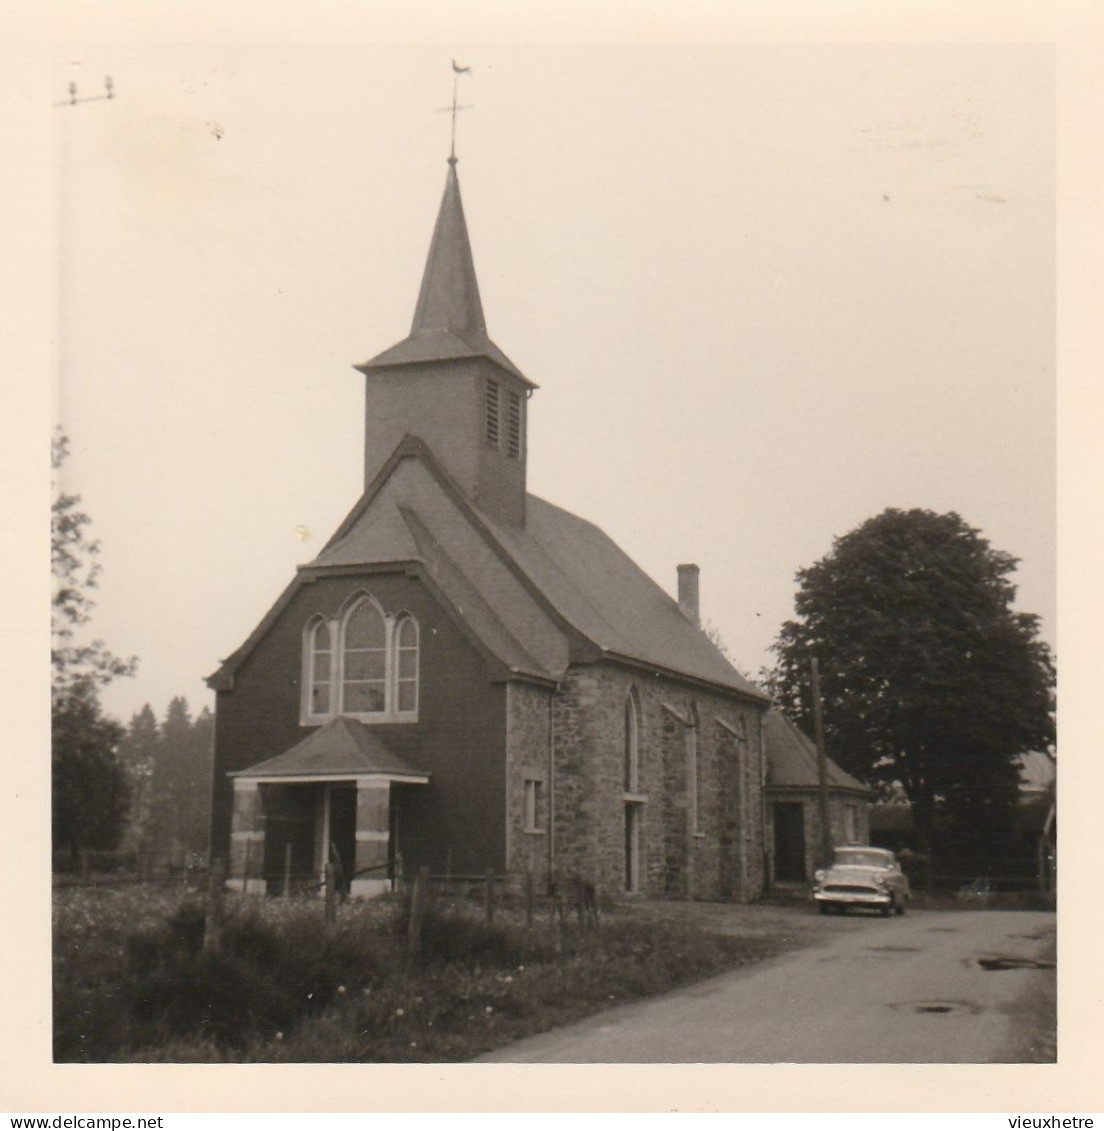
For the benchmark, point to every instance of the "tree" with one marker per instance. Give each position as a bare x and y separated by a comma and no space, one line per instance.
89,795
930,681
89,786
181,779
76,571
137,755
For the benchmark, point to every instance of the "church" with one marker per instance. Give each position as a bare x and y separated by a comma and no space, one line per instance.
469,678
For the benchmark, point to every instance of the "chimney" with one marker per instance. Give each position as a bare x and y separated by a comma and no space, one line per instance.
688,592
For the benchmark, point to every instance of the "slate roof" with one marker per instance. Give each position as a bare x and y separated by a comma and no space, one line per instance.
342,746
792,758
576,584
598,589
448,318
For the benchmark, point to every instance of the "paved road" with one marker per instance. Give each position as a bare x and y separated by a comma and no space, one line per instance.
903,990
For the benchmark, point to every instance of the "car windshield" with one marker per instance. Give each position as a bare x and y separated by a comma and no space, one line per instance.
867,857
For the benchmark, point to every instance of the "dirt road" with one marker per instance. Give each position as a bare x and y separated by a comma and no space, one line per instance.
933,987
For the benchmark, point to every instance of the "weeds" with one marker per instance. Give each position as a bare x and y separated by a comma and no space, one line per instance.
132,982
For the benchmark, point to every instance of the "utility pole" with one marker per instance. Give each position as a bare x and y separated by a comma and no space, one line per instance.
822,765
72,100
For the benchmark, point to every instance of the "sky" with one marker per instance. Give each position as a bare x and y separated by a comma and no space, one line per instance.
766,290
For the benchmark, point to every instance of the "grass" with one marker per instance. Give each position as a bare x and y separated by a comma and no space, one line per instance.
132,982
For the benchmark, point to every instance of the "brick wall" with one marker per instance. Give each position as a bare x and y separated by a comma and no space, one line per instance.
457,820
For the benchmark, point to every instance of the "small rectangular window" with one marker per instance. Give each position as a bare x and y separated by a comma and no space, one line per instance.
491,407
513,426
534,806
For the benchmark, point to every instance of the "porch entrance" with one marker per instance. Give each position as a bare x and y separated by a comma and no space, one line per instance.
306,825
789,842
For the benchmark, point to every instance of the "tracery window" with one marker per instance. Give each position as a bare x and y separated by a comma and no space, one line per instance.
362,663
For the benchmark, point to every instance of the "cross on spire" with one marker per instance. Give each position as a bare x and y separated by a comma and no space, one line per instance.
455,108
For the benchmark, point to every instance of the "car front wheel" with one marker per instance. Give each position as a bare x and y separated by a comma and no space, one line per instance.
899,906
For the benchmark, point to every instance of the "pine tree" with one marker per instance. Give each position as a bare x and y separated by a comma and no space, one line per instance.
138,755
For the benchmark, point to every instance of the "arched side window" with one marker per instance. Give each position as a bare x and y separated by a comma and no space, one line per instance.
693,771
405,665
318,668
364,660
632,744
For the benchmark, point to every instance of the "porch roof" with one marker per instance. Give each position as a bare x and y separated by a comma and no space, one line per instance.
342,747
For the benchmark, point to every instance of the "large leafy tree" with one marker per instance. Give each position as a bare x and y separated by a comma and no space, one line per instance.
86,665
89,785
930,681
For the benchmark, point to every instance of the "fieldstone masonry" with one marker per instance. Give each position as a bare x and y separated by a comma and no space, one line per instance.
585,800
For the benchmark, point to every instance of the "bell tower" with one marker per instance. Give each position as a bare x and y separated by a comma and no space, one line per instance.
448,383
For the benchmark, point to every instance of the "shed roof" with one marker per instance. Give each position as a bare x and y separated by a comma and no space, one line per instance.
792,758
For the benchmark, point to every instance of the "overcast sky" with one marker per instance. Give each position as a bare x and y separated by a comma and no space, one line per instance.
767,291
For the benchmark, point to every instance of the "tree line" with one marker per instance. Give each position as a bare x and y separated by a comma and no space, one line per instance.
144,788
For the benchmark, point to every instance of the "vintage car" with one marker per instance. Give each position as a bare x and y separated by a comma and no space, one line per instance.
861,877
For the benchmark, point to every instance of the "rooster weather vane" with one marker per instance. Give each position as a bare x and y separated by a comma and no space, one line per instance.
457,71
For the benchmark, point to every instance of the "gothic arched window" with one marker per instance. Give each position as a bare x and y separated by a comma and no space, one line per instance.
361,662
632,745
405,665
364,660
319,669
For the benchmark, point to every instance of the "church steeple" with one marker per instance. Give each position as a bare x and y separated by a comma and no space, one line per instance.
449,298
448,318
448,383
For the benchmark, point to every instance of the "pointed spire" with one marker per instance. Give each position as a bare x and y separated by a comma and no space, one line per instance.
448,319
449,298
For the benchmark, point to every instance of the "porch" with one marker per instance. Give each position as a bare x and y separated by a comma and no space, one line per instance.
330,799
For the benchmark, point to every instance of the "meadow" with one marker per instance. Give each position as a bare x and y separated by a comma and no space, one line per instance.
134,983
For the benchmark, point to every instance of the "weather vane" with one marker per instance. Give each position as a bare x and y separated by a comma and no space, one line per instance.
72,100
457,71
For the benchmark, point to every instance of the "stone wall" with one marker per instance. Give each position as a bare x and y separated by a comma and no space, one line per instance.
838,804
724,859
527,732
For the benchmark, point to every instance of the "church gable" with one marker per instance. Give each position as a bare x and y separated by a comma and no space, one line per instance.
442,533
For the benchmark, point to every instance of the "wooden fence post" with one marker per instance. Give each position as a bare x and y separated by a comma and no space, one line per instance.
287,869
331,893
212,927
528,900
84,868
417,914
488,897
